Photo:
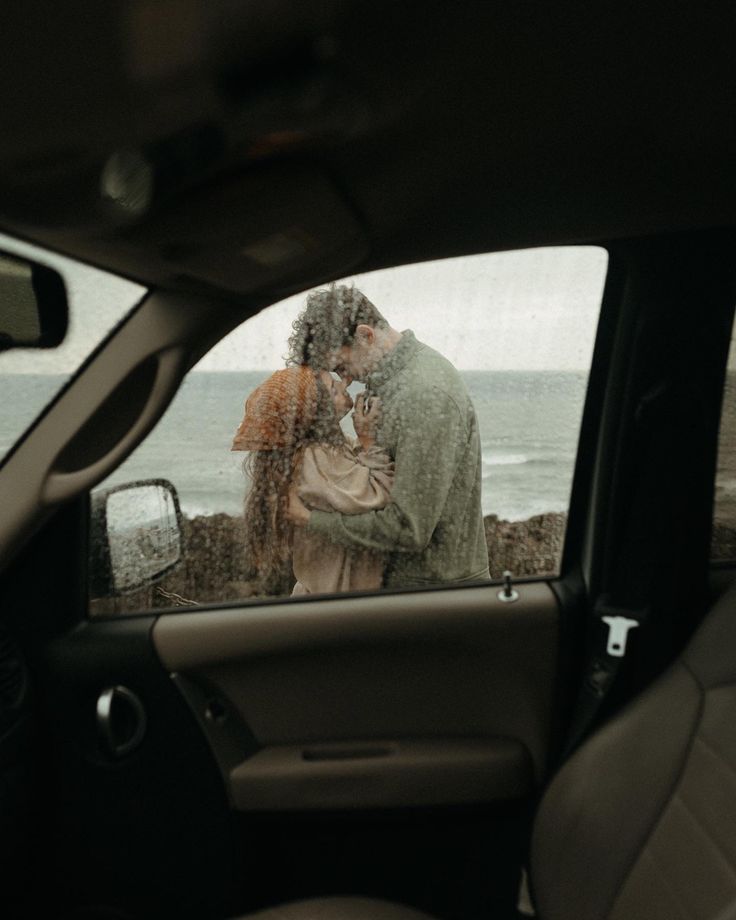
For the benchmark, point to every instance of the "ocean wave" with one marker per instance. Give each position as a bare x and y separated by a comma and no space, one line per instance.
504,459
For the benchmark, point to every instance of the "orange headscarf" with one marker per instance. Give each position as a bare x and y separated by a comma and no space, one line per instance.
273,409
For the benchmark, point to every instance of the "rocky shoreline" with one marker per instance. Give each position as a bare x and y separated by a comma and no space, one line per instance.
215,569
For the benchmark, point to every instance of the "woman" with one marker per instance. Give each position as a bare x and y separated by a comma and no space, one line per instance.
292,433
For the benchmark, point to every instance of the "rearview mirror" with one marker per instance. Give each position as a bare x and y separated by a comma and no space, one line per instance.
33,305
135,538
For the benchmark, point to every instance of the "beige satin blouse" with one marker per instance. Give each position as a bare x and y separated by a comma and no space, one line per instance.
351,481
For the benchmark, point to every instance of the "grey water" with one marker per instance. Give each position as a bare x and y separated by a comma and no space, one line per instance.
529,423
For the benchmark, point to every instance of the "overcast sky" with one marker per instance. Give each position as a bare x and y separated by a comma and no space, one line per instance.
529,310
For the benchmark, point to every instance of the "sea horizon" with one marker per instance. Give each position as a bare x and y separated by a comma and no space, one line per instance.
529,423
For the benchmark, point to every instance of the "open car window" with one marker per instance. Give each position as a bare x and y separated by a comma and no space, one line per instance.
31,378
723,537
518,329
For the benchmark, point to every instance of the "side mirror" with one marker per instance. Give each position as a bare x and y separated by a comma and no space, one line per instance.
135,536
34,312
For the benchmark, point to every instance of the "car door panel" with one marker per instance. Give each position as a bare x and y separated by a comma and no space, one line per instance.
386,745
461,669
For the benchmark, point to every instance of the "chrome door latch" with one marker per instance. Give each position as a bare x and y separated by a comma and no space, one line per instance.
508,594
618,633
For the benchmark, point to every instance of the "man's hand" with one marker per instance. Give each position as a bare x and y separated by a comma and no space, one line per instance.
297,512
366,423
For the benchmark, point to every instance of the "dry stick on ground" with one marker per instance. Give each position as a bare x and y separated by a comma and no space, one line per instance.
176,599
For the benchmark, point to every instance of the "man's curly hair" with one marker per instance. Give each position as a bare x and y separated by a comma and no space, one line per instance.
328,322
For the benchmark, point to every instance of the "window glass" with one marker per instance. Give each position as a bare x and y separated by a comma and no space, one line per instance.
481,425
723,539
30,378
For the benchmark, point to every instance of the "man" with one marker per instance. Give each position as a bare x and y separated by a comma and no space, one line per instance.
432,529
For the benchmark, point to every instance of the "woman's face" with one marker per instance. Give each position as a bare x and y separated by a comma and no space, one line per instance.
338,391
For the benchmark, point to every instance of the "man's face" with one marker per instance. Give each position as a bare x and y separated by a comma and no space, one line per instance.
356,361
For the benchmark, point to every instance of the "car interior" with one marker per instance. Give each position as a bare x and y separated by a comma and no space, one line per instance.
559,745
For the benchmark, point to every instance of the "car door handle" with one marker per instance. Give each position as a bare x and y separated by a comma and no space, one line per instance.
121,721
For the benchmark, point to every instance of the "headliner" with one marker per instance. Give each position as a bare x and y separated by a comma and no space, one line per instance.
290,142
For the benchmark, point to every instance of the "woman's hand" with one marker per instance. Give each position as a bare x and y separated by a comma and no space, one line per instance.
297,512
366,423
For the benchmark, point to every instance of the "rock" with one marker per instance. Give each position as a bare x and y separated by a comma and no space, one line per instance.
531,547
215,570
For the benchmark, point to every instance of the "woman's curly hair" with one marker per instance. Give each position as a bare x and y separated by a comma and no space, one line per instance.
268,534
328,322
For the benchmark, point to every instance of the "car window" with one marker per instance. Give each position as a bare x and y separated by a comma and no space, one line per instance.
723,535
479,411
30,378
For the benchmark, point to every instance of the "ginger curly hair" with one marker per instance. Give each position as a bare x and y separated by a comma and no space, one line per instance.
268,534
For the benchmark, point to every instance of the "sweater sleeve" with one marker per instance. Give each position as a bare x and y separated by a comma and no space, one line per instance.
332,479
432,440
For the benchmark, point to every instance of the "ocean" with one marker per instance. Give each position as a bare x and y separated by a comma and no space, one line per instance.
529,423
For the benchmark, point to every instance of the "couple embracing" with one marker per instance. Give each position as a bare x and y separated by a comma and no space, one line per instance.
398,507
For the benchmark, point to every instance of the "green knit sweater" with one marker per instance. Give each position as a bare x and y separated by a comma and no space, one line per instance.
433,526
